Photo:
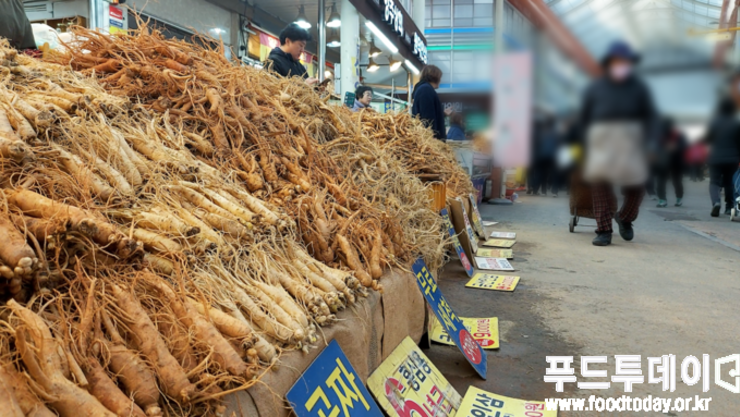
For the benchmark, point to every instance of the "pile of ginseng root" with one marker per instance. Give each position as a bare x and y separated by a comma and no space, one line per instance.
158,255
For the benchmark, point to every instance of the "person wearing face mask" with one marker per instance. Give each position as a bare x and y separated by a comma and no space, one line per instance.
621,127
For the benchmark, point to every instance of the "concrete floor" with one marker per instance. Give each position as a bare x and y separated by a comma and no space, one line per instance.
675,289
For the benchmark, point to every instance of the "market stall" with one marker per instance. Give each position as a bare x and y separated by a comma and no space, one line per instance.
203,221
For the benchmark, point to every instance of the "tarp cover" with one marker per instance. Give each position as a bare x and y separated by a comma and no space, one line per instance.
367,333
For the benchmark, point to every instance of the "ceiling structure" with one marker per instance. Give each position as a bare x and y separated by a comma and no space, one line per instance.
657,28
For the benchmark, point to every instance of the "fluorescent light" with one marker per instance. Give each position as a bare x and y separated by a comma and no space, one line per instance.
218,31
395,64
411,66
382,37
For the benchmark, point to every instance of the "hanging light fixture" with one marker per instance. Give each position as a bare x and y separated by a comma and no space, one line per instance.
372,66
301,20
333,40
374,50
394,64
335,20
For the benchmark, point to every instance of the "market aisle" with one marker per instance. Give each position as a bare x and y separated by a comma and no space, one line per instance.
670,291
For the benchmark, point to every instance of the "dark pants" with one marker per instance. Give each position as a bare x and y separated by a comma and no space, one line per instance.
697,172
675,172
650,184
545,176
720,176
604,199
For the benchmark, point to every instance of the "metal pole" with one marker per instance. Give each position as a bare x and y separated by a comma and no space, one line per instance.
410,89
322,40
499,28
92,14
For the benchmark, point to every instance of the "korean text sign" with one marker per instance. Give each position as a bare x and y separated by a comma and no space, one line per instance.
331,387
407,384
479,403
450,321
456,242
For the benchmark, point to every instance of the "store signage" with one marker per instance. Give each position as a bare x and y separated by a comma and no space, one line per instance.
420,48
393,16
456,243
330,387
479,403
450,321
484,330
408,384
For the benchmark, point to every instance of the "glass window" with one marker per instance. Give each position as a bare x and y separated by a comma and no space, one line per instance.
462,2
441,23
463,10
440,2
483,10
440,12
482,21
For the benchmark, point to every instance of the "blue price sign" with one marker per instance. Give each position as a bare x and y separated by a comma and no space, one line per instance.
330,387
449,320
456,242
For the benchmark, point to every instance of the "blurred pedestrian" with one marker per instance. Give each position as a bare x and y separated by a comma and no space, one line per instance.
14,25
285,60
457,127
696,157
669,162
363,97
427,105
546,148
620,123
723,138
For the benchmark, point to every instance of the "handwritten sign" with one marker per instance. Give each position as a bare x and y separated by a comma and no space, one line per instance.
456,243
494,264
484,330
503,235
331,387
499,243
477,219
479,403
493,282
450,321
408,384
473,239
495,253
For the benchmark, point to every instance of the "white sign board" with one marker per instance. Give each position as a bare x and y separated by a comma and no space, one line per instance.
512,108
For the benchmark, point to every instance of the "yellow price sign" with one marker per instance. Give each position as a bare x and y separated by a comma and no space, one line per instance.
499,243
484,331
493,282
408,384
495,253
479,403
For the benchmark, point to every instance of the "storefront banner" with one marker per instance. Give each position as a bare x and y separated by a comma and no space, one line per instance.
495,253
494,282
479,403
512,115
330,387
456,243
475,215
503,235
499,243
495,264
484,330
450,321
407,384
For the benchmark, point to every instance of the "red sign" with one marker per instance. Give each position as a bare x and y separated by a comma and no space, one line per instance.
115,13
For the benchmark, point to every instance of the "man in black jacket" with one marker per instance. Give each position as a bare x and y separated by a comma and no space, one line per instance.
14,25
723,137
285,59
427,105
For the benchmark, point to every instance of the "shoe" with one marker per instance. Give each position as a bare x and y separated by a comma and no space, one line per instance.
529,192
555,195
662,203
715,209
728,210
653,197
625,229
679,202
603,239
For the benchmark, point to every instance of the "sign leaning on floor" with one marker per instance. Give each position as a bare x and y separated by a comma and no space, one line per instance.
495,253
450,321
479,403
493,282
499,243
502,235
484,330
330,387
456,243
477,219
496,264
408,384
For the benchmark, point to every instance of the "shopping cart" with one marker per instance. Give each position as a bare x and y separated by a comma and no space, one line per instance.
581,201
735,211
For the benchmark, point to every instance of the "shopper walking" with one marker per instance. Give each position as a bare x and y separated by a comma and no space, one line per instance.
457,127
670,162
285,60
620,120
723,138
363,97
427,105
547,148
696,157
